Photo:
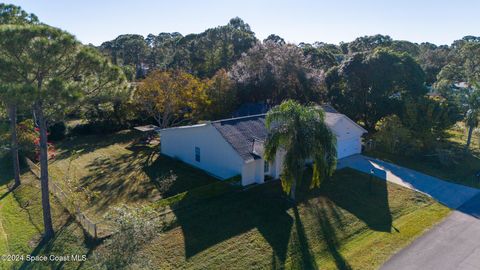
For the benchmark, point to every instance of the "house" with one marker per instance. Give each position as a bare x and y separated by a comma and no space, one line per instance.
230,147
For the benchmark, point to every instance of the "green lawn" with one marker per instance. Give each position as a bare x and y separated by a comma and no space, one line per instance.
106,171
461,173
21,224
342,226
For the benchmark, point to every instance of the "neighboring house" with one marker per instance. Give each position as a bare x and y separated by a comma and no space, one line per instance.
230,147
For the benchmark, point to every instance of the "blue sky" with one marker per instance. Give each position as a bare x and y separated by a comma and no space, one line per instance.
436,21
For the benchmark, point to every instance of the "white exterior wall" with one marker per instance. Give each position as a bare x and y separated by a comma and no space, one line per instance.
349,142
349,136
248,173
217,157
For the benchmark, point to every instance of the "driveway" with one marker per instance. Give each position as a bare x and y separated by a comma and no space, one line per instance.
451,245
449,194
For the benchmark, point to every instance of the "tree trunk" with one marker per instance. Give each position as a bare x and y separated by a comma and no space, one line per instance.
12,114
47,217
293,190
469,138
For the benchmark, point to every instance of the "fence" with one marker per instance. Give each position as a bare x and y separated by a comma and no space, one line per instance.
89,226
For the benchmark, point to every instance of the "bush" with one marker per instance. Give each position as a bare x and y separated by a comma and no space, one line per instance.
449,156
392,136
135,228
57,131
27,137
104,127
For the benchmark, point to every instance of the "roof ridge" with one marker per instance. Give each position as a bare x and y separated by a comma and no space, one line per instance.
237,118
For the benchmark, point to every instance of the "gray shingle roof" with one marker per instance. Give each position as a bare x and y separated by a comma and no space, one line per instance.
241,132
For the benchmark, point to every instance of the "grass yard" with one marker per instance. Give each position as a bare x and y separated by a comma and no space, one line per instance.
21,224
345,225
106,171
341,226
461,173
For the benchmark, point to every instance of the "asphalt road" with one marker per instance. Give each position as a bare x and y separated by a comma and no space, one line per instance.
454,244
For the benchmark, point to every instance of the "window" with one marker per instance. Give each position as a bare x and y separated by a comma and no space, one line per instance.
197,154
266,167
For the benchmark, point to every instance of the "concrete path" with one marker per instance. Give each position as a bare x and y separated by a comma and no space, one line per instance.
449,194
451,245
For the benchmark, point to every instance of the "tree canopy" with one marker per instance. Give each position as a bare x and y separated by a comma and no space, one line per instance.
368,87
272,72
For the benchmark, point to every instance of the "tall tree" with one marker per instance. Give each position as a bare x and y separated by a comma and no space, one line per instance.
171,97
464,67
58,70
222,94
272,72
10,87
301,133
128,49
368,87
432,59
319,57
11,14
472,115
369,43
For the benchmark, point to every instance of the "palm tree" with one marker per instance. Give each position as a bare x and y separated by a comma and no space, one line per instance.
472,115
301,133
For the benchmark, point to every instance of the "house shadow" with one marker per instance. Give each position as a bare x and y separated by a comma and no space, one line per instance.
278,220
171,177
217,220
365,196
447,193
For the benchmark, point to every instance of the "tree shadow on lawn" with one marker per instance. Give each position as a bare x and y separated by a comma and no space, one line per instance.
118,180
139,176
220,219
90,143
327,230
265,208
61,245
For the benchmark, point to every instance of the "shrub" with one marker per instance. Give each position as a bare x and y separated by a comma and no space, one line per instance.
165,182
57,131
27,137
449,156
135,227
104,127
392,136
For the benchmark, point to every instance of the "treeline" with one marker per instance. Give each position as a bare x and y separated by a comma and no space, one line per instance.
375,80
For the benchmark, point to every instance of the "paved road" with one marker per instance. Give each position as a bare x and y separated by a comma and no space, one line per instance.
454,244
449,194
